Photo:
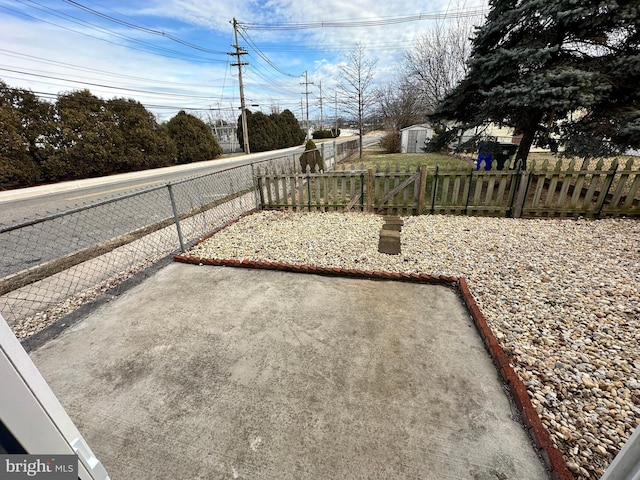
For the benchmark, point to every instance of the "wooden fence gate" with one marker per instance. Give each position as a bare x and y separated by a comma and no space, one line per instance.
539,191
397,192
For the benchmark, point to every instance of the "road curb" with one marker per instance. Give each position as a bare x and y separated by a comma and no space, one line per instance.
29,192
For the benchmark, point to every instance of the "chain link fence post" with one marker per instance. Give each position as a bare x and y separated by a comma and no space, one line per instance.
176,217
256,188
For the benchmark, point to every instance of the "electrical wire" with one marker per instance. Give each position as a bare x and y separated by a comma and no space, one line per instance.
343,47
365,22
177,54
51,96
267,75
262,67
93,70
51,77
143,29
255,48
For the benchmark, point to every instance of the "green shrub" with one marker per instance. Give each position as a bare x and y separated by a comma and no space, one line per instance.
320,134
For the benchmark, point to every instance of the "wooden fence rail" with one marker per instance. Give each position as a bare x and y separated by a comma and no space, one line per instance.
540,191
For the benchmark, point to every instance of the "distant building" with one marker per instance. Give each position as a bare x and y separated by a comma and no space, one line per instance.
414,138
227,138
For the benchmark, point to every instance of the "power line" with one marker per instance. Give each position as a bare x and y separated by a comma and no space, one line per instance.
154,93
51,96
269,84
385,45
93,70
264,57
177,54
365,22
51,77
151,31
265,74
343,47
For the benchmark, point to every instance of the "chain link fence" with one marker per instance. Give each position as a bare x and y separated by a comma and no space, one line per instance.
52,265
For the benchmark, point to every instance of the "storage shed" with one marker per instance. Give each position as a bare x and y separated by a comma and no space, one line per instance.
413,138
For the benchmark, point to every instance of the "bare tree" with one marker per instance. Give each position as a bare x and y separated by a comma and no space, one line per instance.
398,105
438,62
356,78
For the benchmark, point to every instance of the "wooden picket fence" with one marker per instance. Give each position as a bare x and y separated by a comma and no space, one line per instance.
539,191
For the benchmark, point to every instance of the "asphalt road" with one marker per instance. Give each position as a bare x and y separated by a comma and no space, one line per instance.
113,212
108,211
19,205
29,203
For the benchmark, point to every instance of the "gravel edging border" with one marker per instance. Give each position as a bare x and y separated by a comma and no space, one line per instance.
551,456
537,431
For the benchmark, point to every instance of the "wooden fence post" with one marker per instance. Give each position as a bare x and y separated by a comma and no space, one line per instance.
515,177
370,190
468,196
435,190
521,198
603,195
421,190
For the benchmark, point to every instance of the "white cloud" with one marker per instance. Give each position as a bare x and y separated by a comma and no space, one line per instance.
206,23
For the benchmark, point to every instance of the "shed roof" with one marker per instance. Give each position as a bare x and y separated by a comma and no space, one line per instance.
420,126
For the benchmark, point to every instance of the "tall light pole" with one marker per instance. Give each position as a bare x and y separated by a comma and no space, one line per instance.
238,54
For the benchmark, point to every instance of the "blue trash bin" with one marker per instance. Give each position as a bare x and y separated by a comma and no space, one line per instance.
486,158
485,155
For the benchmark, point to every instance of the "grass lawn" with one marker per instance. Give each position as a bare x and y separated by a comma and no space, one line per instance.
375,157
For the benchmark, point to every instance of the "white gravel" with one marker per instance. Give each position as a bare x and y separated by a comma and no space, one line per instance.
562,296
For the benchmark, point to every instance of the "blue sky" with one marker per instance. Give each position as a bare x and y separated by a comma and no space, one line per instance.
172,54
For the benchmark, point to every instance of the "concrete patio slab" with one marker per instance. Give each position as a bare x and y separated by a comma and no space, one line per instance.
213,372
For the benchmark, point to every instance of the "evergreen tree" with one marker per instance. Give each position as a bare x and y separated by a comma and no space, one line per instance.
290,131
146,144
540,65
87,139
278,130
26,124
263,133
240,130
14,160
193,139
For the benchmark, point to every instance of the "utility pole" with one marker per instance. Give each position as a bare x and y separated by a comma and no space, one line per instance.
301,112
238,54
306,84
321,116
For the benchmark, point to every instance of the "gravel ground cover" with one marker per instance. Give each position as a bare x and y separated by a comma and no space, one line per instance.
562,297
